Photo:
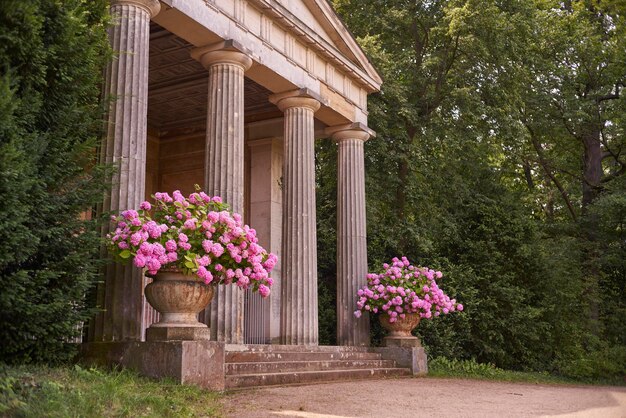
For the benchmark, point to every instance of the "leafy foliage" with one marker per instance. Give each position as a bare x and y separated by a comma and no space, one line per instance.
51,55
326,192
499,161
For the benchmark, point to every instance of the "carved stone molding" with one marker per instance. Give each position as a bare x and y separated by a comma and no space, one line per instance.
151,6
227,52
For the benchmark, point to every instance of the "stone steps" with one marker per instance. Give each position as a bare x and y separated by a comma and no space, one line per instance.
272,348
270,365
291,366
290,378
244,357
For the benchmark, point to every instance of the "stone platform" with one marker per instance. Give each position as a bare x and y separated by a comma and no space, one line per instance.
217,366
187,362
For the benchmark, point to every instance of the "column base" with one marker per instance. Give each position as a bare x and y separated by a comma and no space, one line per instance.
413,358
178,334
402,342
198,363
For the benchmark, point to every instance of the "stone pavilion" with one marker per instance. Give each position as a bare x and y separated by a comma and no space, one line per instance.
231,95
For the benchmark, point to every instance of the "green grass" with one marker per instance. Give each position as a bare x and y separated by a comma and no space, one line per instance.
442,367
29,391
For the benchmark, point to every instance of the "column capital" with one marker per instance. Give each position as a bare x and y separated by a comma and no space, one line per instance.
153,7
224,52
298,98
355,130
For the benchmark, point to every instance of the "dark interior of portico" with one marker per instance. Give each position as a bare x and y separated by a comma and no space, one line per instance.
177,113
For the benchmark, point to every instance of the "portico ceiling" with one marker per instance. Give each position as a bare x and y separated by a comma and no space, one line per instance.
178,84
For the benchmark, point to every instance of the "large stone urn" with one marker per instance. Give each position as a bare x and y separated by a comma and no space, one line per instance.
178,298
400,331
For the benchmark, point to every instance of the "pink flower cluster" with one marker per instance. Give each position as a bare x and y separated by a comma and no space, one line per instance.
196,235
403,288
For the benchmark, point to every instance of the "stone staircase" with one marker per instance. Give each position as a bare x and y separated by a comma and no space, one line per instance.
267,365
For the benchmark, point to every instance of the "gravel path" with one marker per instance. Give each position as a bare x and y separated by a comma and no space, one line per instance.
430,397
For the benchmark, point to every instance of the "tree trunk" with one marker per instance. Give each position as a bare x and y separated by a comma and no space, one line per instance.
528,175
592,166
591,185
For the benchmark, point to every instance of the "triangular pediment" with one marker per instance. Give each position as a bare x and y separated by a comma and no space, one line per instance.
302,10
326,18
318,18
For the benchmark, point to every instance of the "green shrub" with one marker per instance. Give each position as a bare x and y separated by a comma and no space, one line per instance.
51,59
443,367
605,362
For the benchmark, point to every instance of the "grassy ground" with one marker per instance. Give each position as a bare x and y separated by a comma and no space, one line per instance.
77,392
442,367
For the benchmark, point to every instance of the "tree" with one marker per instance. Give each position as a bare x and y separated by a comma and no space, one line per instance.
51,58
485,166
573,112
576,71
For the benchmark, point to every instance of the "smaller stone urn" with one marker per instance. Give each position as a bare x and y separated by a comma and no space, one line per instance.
178,298
399,332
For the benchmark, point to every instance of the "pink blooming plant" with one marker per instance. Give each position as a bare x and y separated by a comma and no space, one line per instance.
403,288
196,235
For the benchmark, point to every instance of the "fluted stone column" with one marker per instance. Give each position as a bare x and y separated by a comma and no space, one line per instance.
124,146
351,232
224,165
299,324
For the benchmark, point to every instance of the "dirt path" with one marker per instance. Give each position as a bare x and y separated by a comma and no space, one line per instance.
430,398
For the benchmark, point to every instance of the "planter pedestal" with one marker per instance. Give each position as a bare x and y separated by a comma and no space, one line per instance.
413,358
177,333
408,342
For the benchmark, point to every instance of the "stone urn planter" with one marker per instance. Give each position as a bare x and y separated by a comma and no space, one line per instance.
399,332
178,298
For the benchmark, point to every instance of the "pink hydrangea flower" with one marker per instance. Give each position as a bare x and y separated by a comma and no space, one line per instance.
140,261
196,234
402,288
264,290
